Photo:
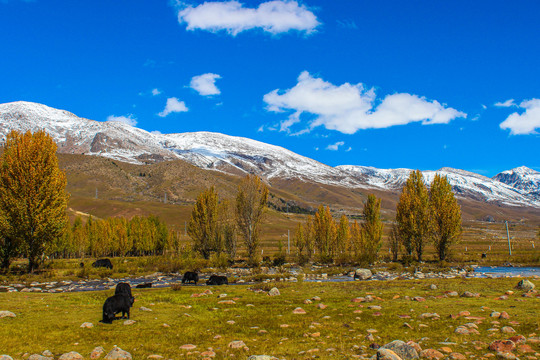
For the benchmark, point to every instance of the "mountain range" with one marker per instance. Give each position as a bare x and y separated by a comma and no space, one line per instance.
281,168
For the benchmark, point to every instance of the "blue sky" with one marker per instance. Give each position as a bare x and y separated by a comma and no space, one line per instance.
388,84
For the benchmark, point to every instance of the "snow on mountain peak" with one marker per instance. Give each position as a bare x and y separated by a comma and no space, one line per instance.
238,155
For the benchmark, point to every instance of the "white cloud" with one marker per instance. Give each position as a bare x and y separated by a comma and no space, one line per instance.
173,105
155,92
205,84
335,147
348,108
525,123
507,103
129,119
273,16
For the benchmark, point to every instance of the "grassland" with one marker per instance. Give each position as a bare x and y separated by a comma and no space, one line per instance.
52,321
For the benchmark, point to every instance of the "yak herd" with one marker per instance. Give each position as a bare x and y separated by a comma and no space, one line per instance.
123,300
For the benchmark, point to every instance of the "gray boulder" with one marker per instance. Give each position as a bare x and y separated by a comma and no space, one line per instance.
274,292
72,355
525,285
387,354
117,354
362,274
402,349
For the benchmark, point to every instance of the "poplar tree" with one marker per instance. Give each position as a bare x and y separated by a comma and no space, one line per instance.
33,197
413,215
445,215
372,228
250,208
324,231
203,224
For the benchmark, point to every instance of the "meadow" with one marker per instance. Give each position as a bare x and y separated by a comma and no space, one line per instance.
336,323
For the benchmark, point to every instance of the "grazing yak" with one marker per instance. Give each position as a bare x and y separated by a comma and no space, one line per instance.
116,304
123,288
144,285
217,280
106,263
190,276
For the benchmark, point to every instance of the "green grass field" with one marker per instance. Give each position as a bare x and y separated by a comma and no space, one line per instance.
267,324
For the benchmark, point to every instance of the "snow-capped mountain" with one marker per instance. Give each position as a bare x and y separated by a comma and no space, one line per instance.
522,178
236,155
465,184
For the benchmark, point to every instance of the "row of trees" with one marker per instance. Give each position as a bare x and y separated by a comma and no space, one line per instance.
424,216
214,225
328,240
115,237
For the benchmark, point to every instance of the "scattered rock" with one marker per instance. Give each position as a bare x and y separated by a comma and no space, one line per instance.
274,292
142,308
433,287
153,356
262,357
362,274
404,351
129,322
236,344
525,285
508,330
87,325
5,313
188,347
457,356
39,357
469,294
97,352
387,354
299,310
502,346
506,355
5,357
72,355
431,354
117,354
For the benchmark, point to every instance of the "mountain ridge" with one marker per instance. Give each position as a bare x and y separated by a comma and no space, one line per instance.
238,156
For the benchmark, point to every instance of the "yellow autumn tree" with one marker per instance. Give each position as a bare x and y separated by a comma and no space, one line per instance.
33,197
203,227
251,205
372,229
445,215
324,233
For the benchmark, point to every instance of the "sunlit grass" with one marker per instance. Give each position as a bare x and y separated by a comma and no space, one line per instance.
52,321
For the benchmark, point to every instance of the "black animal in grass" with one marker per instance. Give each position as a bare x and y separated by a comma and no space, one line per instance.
144,285
106,263
123,288
217,280
190,277
119,303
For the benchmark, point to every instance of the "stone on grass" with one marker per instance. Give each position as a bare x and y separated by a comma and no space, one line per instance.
117,354
188,347
237,344
39,357
299,310
72,355
274,292
154,356
387,354
508,330
97,352
404,351
5,313
5,357
262,357
431,354
525,285
469,294
87,325
362,274
457,356
502,346
129,322
506,356
142,308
